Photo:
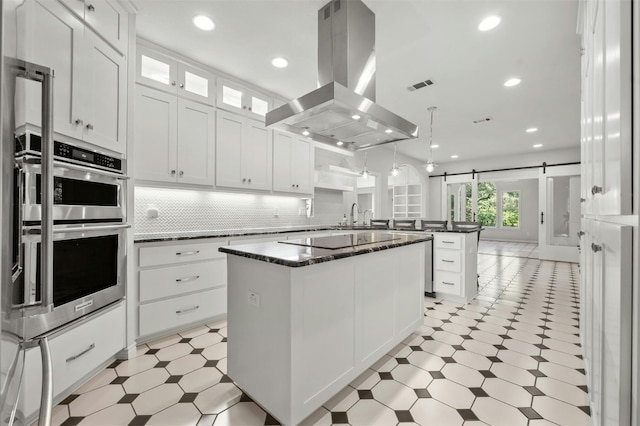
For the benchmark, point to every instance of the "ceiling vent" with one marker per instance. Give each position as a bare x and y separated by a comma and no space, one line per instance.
482,120
420,85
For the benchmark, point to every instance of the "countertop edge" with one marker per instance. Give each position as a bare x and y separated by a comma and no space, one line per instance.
326,258
141,238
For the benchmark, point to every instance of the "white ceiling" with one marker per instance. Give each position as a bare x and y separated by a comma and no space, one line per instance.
415,40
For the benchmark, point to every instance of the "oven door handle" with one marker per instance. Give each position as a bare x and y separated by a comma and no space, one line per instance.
38,230
62,164
20,219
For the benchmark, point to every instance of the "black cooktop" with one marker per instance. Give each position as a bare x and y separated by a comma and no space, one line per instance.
335,242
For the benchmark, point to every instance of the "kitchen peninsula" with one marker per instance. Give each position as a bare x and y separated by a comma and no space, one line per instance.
307,316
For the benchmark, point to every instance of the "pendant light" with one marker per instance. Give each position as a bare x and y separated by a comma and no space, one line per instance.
365,172
394,170
430,166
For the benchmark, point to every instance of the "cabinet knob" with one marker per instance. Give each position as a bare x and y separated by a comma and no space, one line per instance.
244,180
249,180
173,172
297,186
91,7
78,122
181,173
173,83
181,85
596,190
244,107
582,200
249,108
89,126
595,247
580,234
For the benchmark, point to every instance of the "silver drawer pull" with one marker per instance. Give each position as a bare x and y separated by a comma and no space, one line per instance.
187,253
448,242
447,260
447,283
74,357
182,311
185,279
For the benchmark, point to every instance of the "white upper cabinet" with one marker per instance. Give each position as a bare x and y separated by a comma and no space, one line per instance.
175,139
162,72
90,76
237,98
243,152
606,110
105,17
292,163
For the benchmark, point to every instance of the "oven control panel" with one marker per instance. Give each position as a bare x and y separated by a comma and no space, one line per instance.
30,142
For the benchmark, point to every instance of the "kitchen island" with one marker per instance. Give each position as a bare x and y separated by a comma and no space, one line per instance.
307,316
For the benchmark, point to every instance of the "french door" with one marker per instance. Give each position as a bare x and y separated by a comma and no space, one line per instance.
460,194
559,205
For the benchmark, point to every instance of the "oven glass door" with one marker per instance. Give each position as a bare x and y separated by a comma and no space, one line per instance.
75,192
81,267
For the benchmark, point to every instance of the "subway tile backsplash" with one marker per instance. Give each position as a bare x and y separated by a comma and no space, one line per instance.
192,210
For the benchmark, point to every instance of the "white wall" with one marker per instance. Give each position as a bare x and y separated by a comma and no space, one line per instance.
534,158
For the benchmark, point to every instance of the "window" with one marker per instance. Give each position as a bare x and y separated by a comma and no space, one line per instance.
511,209
469,202
487,203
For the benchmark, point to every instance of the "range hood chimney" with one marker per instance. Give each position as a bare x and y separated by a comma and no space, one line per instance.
342,111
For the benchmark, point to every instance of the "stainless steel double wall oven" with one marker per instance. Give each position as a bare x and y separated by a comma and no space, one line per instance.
89,222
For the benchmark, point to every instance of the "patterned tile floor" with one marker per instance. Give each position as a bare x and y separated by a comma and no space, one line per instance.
510,357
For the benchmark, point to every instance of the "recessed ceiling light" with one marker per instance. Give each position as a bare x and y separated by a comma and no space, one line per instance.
454,156
339,143
512,82
538,145
388,131
435,146
203,22
531,129
279,62
355,117
489,23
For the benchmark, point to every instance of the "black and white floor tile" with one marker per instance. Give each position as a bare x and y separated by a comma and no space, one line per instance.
510,357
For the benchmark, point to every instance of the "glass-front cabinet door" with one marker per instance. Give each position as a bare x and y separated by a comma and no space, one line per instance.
162,72
237,98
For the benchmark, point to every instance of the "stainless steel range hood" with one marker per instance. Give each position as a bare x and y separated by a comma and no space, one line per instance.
342,111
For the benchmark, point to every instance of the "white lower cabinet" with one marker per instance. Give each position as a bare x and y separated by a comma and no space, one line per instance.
455,265
75,355
180,284
606,326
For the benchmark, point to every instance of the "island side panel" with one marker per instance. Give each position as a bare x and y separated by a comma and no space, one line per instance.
377,288
259,337
323,332
411,273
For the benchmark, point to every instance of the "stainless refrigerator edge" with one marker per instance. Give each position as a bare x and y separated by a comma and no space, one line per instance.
12,324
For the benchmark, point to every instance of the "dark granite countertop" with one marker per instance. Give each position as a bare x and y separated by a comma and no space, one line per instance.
228,233
293,255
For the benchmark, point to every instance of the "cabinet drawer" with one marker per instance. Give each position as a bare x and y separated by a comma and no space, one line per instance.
447,282
448,260
175,280
74,354
448,241
167,314
165,255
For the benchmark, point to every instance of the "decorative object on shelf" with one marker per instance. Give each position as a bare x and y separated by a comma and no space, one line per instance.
394,170
365,172
430,166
